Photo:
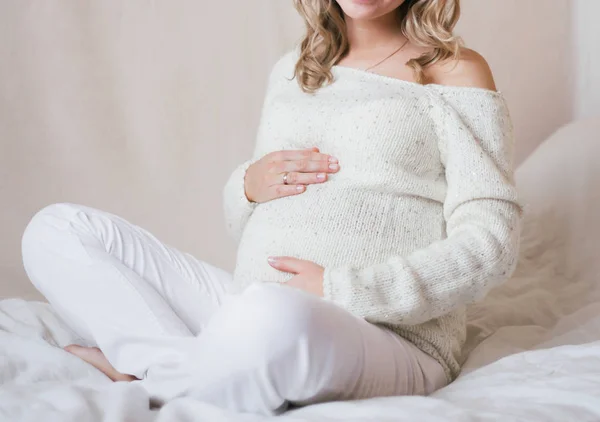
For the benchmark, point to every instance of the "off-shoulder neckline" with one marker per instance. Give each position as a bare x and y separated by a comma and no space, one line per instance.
439,87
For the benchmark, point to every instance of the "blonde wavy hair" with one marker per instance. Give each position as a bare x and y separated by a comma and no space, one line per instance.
425,23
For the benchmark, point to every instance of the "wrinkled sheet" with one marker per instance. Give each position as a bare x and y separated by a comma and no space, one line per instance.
534,342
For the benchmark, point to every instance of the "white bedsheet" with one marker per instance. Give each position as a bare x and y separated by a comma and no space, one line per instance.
535,342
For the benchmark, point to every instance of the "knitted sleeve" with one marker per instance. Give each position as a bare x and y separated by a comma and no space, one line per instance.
482,216
236,205
238,208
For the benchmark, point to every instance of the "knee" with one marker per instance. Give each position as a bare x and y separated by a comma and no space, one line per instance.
43,233
278,318
291,338
45,223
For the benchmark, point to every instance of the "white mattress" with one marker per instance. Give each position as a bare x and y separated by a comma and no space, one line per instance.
535,342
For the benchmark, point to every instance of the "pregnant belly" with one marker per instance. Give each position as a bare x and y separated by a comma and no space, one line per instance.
331,228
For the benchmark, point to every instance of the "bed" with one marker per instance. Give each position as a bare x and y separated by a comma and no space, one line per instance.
534,342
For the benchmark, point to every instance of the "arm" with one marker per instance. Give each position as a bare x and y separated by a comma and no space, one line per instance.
237,207
261,179
482,215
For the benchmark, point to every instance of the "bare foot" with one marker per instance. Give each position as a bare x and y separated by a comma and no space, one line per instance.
96,358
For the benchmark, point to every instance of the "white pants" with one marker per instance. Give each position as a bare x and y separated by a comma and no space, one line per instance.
163,316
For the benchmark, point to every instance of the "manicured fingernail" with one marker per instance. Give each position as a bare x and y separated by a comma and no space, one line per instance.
272,260
321,176
300,188
334,166
333,160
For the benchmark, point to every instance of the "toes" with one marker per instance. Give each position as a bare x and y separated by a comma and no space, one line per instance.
96,358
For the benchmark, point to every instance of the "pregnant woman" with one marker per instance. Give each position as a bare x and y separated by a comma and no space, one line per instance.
379,202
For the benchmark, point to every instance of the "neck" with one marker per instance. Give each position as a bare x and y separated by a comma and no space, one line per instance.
374,33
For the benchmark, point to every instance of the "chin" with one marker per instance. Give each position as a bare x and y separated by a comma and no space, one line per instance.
368,9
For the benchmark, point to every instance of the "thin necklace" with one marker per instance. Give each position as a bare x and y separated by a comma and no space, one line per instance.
381,61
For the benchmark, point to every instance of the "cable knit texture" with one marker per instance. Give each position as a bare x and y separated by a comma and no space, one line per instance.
421,220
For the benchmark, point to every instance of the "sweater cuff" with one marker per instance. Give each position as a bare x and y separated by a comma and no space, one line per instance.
238,207
241,187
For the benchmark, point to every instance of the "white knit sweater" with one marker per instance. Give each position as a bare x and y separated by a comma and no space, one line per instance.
422,218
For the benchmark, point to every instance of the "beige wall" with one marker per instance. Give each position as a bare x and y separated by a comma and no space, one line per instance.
142,107
528,44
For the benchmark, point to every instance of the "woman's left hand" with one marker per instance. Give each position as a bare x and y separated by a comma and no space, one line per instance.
308,275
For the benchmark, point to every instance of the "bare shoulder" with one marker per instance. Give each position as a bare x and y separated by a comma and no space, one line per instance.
470,70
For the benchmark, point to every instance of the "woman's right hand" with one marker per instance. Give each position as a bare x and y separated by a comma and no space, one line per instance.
286,173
